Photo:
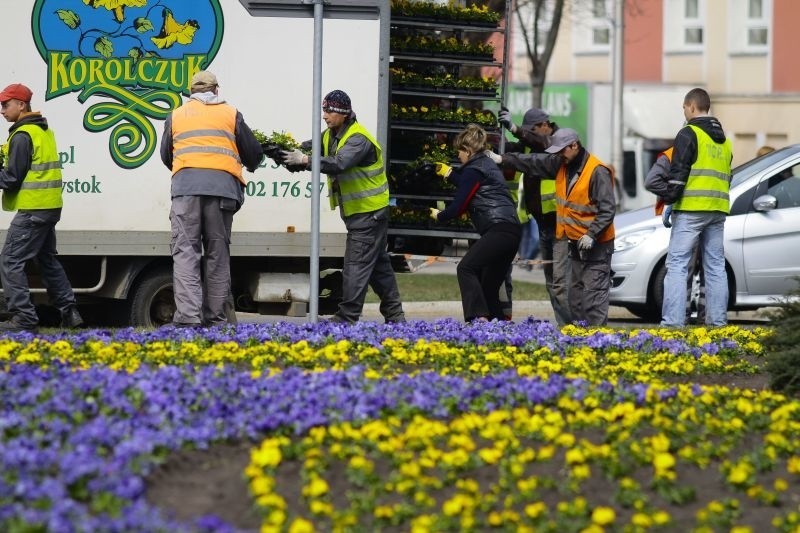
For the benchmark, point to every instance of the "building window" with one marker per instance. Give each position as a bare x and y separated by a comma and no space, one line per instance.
750,22
684,25
592,26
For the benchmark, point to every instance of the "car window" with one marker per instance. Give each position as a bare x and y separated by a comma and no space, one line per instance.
784,186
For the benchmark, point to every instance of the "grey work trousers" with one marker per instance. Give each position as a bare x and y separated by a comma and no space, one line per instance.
590,283
201,259
367,263
556,274
32,236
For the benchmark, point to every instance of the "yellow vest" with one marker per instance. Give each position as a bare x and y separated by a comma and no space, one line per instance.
41,188
204,136
358,189
709,178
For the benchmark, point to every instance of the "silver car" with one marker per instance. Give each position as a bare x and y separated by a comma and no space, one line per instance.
762,241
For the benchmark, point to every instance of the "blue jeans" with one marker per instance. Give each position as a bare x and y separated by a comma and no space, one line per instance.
529,245
689,229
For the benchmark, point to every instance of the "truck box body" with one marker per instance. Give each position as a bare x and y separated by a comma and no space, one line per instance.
107,78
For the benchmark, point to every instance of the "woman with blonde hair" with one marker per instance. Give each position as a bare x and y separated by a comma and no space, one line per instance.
482,192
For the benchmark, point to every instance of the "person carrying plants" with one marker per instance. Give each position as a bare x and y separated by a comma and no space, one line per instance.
31,184
539,201
585,216
353,161
205,144
481,191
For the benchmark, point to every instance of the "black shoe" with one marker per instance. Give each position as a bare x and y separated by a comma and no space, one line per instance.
186,325
71,318
12,326
338,319
400,319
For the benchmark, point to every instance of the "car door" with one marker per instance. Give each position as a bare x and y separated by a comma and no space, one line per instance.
771,239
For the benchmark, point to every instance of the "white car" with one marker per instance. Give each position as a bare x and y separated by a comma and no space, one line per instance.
762,241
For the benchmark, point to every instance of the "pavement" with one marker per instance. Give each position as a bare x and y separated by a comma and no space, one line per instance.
540,309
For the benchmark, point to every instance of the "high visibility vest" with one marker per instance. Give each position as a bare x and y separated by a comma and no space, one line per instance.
41,188
575,212
359,189
204,136
516,187
709,178
668,154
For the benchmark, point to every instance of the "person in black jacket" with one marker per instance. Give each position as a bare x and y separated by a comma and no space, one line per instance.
481,190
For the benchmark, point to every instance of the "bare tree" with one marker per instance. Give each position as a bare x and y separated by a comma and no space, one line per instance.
539,47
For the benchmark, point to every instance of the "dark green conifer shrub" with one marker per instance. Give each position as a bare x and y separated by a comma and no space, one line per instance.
783,348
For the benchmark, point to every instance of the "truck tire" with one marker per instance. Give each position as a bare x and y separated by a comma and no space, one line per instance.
152,300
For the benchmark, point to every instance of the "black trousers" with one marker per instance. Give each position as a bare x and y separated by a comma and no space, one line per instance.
483,269
368,264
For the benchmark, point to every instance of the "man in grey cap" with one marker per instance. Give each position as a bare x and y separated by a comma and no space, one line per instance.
205,144
585,216
539,201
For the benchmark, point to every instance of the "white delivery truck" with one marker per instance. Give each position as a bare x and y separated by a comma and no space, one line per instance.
107,73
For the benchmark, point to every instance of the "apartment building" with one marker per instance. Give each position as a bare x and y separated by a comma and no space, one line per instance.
741,51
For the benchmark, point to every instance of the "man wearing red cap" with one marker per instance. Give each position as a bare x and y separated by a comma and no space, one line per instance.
353,161
31,184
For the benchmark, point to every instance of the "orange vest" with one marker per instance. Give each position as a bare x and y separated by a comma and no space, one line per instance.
203,136
668,154
575,212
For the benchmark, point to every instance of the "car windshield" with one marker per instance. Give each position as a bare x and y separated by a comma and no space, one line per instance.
744,171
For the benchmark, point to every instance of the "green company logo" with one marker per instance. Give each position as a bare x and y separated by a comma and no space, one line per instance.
136,56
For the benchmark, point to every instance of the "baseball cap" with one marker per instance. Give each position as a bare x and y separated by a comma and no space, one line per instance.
16,91
204,78
534,116
562,138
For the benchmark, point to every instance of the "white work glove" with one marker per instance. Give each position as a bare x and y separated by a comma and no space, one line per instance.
666,216
585,243
504,118
295,157
434,213
497,158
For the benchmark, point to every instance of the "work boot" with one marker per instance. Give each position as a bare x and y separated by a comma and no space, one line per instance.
12,326
71,318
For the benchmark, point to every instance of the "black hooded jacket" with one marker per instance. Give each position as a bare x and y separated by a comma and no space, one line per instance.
684,154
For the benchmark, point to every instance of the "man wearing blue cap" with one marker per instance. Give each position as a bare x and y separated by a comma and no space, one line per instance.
353,161
585,216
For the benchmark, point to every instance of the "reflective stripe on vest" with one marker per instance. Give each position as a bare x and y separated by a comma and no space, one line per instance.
358,189
517,189
575,212
204,136
709,178
41,188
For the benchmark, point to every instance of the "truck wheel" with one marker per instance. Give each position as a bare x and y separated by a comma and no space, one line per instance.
152,301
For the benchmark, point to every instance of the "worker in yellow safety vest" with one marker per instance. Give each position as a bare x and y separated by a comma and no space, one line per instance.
357,184
31,184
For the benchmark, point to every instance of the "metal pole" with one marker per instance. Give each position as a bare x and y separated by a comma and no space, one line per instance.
504,71
316,150
617,83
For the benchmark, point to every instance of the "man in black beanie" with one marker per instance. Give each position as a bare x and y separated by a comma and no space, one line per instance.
353,161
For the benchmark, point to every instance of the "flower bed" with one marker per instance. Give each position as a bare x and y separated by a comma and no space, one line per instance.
425,426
